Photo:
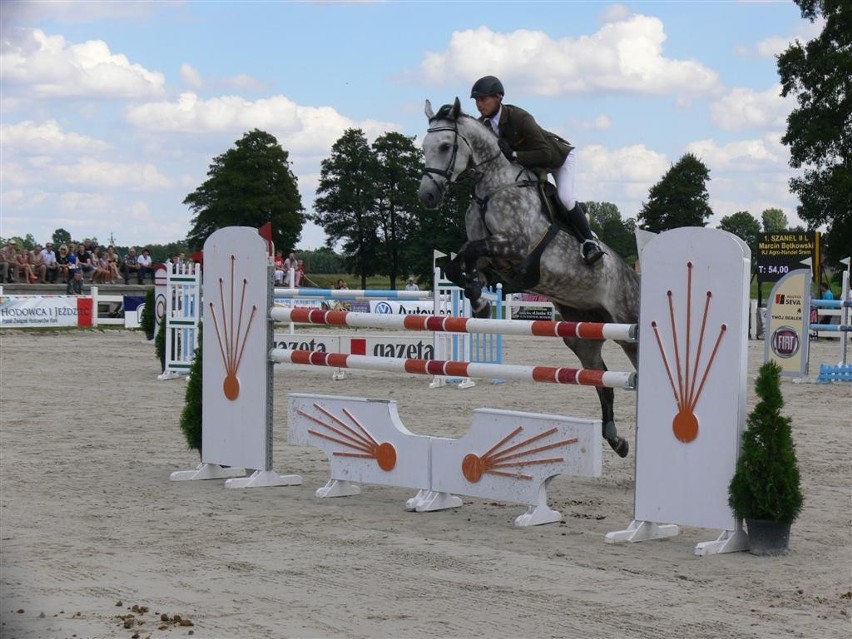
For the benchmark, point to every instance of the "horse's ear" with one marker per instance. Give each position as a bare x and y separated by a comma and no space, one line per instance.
456,109
428,110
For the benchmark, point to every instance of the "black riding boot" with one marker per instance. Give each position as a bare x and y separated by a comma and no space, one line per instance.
589,248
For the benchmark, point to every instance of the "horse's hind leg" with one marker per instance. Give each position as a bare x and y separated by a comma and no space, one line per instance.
589,354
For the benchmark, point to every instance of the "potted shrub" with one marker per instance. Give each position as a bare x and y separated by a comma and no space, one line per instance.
190,417
146,321
765,490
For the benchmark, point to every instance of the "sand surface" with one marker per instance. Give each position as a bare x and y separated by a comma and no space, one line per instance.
97,542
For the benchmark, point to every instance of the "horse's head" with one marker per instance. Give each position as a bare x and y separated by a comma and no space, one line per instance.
448,150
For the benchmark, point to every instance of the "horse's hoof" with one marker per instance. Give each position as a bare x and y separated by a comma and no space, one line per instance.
620,446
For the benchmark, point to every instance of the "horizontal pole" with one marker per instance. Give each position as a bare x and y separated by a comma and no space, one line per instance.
843,328
545,374
831,303
442,324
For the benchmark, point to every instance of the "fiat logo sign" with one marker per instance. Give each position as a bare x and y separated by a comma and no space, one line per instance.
785,342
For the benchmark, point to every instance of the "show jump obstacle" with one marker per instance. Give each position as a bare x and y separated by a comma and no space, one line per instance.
690,408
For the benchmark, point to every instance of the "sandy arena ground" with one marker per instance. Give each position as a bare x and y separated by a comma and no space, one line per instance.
97,542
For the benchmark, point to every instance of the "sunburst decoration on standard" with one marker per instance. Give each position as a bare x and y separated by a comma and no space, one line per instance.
231,339
355,437
688,388
475,466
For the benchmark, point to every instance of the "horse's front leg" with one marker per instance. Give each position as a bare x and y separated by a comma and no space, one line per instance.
470,277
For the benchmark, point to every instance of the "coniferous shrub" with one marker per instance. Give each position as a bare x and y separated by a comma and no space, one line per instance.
766,483
160,344
146,321
190,417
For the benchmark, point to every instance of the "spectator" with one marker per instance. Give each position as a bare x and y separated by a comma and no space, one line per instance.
130,266
113,259
8,262
146,266
411,285
37,263
85,259
300,272
75,283
62,263
51,266
73,264
102,268
25,268
341,285
279,267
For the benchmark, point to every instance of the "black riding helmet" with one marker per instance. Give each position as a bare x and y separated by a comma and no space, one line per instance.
488,85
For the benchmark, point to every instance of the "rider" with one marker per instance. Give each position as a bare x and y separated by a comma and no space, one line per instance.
525,142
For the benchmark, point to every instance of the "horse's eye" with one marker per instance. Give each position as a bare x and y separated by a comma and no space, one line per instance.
446,147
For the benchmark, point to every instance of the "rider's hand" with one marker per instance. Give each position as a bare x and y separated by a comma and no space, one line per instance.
507,150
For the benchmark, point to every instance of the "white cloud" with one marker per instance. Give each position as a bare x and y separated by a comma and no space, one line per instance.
618,175
34,138
190,76
625,54
298,128
46,66
743,108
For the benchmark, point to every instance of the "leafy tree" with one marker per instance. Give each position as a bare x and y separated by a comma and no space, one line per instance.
774,221
399,166
744,225
248,185
60,237
818,130
345,203
616,232
442,229
679,198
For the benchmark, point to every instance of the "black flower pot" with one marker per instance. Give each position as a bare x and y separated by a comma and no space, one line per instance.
768,538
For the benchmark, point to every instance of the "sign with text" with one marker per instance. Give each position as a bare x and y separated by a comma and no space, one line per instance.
44,311
780,253
788,317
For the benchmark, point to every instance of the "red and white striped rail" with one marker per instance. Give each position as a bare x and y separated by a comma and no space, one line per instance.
546,374
440,324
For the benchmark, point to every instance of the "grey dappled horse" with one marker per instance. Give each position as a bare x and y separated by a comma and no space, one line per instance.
511,239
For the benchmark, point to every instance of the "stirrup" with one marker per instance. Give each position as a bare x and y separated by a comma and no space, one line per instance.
591,251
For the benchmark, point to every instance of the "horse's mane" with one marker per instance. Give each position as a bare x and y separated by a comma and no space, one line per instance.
448,112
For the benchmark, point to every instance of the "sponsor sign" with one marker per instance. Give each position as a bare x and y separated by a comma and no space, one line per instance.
780,253
44,311
377,346
788,318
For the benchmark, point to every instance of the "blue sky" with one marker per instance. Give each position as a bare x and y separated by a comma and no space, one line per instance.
112,112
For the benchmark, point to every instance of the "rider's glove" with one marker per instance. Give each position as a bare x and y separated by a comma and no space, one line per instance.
506,148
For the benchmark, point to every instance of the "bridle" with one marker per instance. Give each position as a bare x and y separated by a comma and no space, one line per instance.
447,173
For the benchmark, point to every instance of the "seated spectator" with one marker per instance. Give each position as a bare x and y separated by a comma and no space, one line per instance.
51,265
341,285
62,263
300,272
113,259
75,284
85,259
146,266
25,269
37,264
102,272
9,262
73,264
411,285
279,267
130,266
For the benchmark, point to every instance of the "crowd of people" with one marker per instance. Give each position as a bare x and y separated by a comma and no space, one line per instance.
283,266
95,264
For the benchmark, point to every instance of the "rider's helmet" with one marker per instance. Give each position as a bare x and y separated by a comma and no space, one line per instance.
487,85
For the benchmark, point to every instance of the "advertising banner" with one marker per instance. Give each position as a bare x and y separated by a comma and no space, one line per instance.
788,319
44,311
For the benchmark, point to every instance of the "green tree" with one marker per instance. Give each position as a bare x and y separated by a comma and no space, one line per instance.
345,203
744,225
679,198
774,221
442,229
399,165
248,185
616,232
60,237
818,130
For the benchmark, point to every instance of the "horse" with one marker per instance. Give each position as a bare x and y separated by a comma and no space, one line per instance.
512,239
